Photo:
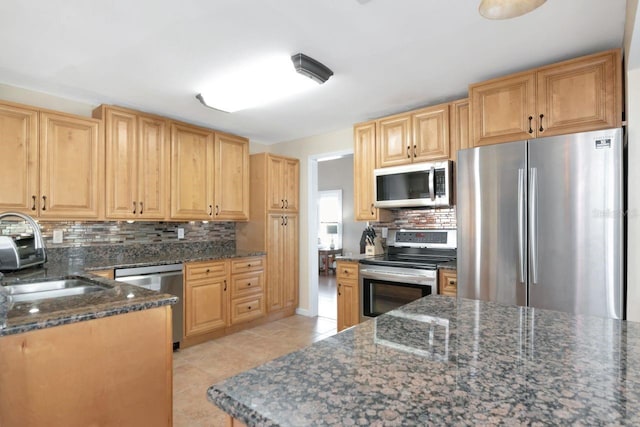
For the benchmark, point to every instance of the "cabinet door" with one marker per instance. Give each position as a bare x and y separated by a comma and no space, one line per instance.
153,168
205,305
348,303
275,273
191,172
579,95
501,109
364,162
459,127
275,183
121,164
448,282
290,261
71,166
232,178
394,140
18,160
430,133
291,185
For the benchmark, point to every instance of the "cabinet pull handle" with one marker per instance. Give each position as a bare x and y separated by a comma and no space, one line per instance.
414,151
33,206
141,208
282,220
286,203
541,128
286,221
44,203
225,285
210,210
452,282
134,208
408,151
372,209
530,128
339,285
217,210
282,201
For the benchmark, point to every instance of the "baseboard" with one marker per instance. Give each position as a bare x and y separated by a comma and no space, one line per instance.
303,312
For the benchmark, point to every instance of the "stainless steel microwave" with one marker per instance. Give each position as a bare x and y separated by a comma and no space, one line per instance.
415,185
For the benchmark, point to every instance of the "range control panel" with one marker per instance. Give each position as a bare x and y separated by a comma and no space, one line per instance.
423,238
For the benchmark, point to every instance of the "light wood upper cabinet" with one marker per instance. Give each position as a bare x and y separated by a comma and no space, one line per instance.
503,109
394,140
137,166
578,95
192,172
231,178
430,133
459,127
364,162
18,159
283,177
71,166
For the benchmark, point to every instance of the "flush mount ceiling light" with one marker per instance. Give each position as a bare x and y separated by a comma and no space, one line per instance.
262,81
505,9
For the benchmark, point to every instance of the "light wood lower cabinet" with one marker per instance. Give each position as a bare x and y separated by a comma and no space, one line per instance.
114,371
107,274
206,285
222,294
348,294
448,282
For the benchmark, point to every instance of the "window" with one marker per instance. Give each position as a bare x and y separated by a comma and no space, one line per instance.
330,218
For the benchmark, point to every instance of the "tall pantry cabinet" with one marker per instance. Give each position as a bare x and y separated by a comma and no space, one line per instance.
273,227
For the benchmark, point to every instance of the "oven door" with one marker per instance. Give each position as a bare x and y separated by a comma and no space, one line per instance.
385,289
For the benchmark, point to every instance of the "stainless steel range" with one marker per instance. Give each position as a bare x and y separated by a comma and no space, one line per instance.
408,271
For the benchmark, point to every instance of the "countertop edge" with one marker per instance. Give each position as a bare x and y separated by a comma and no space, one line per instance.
236,409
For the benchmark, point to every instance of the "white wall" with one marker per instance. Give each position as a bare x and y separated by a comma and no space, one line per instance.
632,63
338,175
43,100
308,150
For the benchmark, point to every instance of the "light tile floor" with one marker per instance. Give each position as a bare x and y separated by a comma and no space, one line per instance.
327,296
196,368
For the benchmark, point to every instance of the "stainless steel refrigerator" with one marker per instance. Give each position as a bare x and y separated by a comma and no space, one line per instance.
540,223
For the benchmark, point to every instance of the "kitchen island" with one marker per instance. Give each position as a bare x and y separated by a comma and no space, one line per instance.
447,361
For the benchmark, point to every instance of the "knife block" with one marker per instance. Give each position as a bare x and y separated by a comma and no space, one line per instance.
375,249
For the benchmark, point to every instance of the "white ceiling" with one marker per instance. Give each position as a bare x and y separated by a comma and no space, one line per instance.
388,56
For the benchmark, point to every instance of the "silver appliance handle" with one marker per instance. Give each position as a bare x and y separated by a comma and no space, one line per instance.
432,178
521,240
533,219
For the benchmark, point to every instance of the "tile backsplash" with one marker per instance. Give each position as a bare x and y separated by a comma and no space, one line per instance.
83,233
421,218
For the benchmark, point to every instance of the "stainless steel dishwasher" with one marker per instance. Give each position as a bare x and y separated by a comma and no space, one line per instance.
163,278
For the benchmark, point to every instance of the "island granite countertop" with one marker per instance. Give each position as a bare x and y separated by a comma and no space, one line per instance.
118,298
447,361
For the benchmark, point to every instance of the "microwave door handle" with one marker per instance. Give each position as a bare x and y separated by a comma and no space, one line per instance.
432,178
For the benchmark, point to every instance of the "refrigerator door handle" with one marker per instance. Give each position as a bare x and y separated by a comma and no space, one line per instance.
521,225
432,178
533,220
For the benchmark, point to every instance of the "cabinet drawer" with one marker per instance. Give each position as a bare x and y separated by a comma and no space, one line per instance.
204,270
246,284
347,270
244,265
245,309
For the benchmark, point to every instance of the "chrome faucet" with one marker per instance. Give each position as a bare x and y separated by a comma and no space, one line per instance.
37,234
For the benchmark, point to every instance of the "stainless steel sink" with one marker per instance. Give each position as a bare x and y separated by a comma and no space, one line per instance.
52,289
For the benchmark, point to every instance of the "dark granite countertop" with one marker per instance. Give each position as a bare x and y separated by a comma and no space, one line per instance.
449,265
118,298
448,361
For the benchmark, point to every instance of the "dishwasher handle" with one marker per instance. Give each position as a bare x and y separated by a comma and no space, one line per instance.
149,281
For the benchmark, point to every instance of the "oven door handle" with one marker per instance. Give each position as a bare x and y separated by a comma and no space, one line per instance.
383,275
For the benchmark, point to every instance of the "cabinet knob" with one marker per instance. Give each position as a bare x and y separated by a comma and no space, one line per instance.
452,282
249,284
208,270
249,307
248,265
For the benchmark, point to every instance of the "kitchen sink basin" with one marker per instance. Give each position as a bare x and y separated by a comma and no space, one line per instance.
53,289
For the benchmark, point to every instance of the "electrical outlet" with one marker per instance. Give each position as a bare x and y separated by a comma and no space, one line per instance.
385,232
180,233
57,236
